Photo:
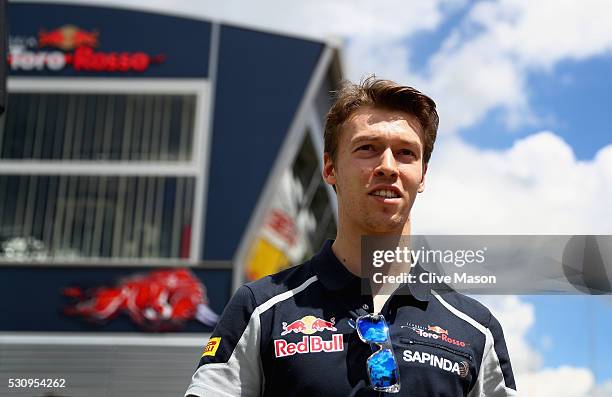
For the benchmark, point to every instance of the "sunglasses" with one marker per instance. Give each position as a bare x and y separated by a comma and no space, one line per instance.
382,366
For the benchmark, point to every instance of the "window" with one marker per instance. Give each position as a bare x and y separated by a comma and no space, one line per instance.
48,126
121,206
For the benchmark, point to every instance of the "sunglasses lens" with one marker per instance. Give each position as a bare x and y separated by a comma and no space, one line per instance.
373,329
383,369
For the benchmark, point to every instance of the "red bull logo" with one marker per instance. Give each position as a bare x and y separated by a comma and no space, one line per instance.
160,300
309,325
68,37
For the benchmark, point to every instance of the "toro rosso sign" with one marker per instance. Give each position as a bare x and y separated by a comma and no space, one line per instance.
70,46
67,40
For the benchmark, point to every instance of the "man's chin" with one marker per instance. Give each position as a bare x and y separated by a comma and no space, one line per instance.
387,226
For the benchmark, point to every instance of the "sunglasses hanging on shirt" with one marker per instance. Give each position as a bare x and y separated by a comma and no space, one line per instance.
382,366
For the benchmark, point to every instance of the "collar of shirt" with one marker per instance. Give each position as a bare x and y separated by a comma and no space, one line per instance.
335,276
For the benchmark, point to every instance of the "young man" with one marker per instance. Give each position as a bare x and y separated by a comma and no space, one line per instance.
295,333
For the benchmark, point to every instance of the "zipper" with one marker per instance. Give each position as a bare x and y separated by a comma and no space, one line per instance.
434,345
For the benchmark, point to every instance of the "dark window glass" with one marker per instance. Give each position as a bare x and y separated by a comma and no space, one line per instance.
95,216
44,126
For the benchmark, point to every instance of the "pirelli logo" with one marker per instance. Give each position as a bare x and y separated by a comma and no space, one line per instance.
211,347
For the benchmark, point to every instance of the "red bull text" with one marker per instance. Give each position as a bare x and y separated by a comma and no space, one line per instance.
308,344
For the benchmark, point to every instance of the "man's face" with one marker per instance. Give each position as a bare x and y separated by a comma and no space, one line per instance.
378,171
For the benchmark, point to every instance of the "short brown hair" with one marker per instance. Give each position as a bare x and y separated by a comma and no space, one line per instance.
384,94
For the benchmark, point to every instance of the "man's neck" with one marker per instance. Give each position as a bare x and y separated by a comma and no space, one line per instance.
347,246
348,252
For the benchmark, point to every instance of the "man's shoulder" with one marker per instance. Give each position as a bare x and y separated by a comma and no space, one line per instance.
464,306
286,280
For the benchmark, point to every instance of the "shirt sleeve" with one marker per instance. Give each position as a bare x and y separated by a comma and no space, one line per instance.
231,362
495,378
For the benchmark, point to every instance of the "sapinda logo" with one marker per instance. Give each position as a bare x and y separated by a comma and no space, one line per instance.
460,368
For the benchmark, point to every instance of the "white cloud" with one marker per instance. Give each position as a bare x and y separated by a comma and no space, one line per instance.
320,18
364,56
469,81
323,18
603,390
544,32
564,381
535,187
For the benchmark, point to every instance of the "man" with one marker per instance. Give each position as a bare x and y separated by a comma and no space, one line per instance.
294,333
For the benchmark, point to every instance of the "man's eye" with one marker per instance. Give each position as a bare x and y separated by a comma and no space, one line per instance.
366,147
406,152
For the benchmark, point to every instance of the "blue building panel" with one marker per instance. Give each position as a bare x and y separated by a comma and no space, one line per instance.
261,80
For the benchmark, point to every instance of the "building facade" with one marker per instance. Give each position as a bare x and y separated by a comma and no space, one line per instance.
136,143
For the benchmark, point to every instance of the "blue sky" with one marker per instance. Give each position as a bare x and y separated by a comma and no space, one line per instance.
572,100
573,330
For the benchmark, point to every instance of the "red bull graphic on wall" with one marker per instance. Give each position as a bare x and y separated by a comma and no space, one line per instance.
160,300
77,51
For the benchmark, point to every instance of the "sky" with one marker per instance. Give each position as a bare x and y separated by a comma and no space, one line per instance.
525,145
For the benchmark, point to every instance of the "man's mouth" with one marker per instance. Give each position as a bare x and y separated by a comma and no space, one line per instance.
385,194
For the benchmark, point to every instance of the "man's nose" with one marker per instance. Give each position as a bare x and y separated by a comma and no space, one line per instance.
388,165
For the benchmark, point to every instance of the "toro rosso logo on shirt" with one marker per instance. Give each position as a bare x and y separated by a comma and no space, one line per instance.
308,325
435,332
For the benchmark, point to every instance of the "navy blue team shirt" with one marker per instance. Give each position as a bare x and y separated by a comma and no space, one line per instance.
292,334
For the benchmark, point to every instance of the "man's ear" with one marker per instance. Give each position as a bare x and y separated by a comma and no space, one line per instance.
329,173
421,188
